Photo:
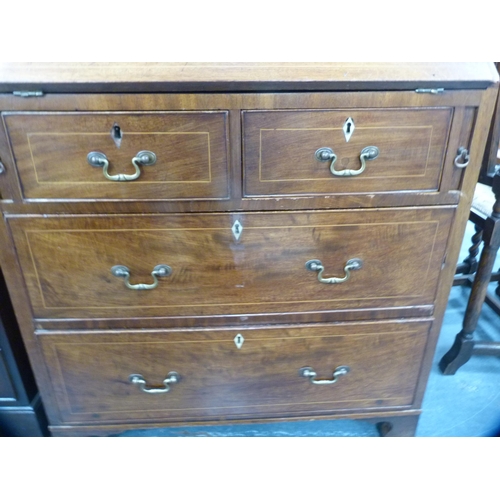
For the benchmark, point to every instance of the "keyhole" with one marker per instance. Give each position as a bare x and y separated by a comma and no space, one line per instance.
116,134
348,127
238,340
237,229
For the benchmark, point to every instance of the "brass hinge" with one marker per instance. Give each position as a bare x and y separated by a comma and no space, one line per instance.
429,91
28,93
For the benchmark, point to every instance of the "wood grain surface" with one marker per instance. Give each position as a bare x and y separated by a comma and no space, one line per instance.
90,373
51,154
64,227
279,150
67,262
224,76
439,184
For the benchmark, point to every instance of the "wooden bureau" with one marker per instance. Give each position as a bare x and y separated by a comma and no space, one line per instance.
202,243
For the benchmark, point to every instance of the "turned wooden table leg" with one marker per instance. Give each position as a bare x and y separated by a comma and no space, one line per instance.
463,346
470,263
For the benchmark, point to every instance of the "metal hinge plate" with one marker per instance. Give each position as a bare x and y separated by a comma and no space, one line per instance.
28,93
429,91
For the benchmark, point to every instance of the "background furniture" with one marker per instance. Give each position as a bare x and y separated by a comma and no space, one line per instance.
485,215
21,410
202,243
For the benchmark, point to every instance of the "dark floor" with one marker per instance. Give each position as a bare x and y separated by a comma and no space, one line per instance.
464,404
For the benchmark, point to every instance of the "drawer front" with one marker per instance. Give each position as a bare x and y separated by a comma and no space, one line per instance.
211,377
233,264
51,150
280,151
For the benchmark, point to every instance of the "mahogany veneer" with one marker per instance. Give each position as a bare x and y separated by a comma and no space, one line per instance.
250,223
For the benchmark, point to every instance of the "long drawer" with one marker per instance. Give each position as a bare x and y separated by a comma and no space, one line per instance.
121,266
230,373
322,152
161,155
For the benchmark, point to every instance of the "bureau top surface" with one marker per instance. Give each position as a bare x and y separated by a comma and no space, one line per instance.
234,76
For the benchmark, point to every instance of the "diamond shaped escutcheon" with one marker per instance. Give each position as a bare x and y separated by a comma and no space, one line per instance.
237,229
348,128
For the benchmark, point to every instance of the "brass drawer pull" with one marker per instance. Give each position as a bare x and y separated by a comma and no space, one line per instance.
327,154
160,271
309,373
143,158
462,159
315,265
172,378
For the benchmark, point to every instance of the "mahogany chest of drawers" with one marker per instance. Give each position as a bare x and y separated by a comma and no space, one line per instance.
198,243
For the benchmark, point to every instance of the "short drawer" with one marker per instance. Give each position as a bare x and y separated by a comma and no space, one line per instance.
51,151
210,374
230,264
292,152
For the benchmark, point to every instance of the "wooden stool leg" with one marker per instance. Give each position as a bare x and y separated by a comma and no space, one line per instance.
463,346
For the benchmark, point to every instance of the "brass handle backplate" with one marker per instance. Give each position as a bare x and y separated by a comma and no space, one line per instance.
327,154
144,158
309,373
462,159
315,265
160,271
171,378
